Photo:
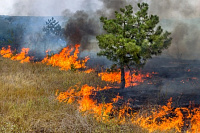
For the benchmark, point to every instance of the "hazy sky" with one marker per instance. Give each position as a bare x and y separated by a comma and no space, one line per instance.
163,8
44,7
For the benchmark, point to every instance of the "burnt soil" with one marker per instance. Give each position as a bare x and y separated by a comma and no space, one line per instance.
178,79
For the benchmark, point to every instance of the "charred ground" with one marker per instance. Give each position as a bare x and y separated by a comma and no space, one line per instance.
174,78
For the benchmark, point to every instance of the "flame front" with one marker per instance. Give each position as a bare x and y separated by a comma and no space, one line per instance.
86,103
63,60
164,118
22,57
66,61
195,120
131,79
6,53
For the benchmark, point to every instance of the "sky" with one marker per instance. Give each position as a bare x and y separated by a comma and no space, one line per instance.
163,8
44,7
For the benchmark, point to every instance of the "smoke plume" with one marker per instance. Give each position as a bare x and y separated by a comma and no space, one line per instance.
81,21
81,28
175,8
186,42
182,17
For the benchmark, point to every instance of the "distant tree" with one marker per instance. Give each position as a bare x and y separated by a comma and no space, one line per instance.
131,39
54,33
53,27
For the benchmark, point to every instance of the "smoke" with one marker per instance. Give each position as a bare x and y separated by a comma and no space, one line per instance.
110,6
163,8
176,9
38,7
81,29
185,43
84,25
180,17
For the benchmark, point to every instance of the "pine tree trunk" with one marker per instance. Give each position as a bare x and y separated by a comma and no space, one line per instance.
123,82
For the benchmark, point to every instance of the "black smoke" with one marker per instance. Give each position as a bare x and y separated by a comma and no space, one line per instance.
81,28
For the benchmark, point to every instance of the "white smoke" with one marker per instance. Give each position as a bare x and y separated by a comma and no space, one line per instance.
175,9
163,8
43,7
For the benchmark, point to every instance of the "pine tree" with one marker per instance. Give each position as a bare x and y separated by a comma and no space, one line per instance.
53,27
131,39
53,34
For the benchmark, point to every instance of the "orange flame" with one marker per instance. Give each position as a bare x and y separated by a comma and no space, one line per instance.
164,118
160,119
22,57
167,118
131,80
89,70
195,120
6,53
66,61
101,111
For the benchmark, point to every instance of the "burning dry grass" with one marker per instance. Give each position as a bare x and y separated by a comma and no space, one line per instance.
27,100
66,61
161,118
132,79
22,57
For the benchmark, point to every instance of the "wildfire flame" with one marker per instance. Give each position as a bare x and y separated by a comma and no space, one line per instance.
89,70
22,57
101,111
131,79
63,60
167,118
164,118
6,53
66,61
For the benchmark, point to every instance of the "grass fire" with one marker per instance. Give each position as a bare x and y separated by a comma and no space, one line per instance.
88,97
111,69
